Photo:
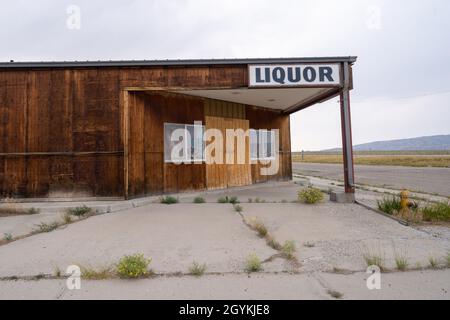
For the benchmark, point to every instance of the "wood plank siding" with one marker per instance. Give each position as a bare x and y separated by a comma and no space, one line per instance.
95,131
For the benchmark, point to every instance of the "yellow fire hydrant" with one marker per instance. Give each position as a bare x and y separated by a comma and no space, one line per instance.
404,199
404,203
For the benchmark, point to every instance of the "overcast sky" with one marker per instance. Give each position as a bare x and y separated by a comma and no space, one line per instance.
401,79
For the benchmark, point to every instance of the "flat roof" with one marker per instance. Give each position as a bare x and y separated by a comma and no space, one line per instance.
181,62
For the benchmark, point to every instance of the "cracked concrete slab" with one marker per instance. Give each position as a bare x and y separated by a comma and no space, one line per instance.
173,236
327,236
308,286
340,234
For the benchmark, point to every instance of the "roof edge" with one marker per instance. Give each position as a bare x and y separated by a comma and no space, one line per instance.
186,62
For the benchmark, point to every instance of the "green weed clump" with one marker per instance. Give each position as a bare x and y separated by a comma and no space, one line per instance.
436,212
199,200
226,199
389,205
253,263
79,211
310,195
169,200
133,266
197,269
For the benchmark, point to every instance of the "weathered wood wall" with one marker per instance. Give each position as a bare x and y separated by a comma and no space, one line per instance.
59,133
61,130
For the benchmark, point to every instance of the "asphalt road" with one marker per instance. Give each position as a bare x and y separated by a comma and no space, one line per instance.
427,180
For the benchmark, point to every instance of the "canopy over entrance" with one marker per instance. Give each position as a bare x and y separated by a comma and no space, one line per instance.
290,85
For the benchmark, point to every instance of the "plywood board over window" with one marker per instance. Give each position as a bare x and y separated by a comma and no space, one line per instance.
228,173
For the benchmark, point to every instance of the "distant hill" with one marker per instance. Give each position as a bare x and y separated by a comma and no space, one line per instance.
430,143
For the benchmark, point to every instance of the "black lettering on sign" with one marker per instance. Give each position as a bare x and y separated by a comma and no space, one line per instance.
279,75
326,72
267,73
291,77
309,74
258,75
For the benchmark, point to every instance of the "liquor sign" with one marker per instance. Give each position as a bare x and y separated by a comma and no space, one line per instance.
294,75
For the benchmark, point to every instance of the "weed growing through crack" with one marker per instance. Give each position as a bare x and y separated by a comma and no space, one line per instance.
223,200
199,200
432,261
310,195
447,260
253,263
33,211
288,249
66,218
401,262
101,273
258,226
46,227
374,258
7,237
197,269
335,294
57,272
271,242
234,200
226,199
79,211
133,266
169,200
238,208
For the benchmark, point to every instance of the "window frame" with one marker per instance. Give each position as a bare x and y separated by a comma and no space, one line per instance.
192,158
258,145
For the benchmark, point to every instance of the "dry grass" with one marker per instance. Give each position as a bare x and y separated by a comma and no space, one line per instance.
289,249
374,257
12,209
197,269
401,262
102,273
433,262
335,294
253,263
258,226
382,159
447,260
271,242
46,227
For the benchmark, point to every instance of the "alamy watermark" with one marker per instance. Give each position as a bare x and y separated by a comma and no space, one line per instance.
192,144
373,282
73,21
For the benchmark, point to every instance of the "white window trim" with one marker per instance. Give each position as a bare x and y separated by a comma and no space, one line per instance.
257,143
185,160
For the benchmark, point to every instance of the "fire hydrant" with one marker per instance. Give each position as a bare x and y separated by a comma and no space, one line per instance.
404,199
404,203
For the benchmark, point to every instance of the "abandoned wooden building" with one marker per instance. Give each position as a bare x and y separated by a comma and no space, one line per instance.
102,129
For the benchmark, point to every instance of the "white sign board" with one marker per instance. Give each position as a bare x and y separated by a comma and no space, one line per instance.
294,75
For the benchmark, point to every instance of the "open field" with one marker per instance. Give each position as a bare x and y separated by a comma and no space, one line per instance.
440,159
426,180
